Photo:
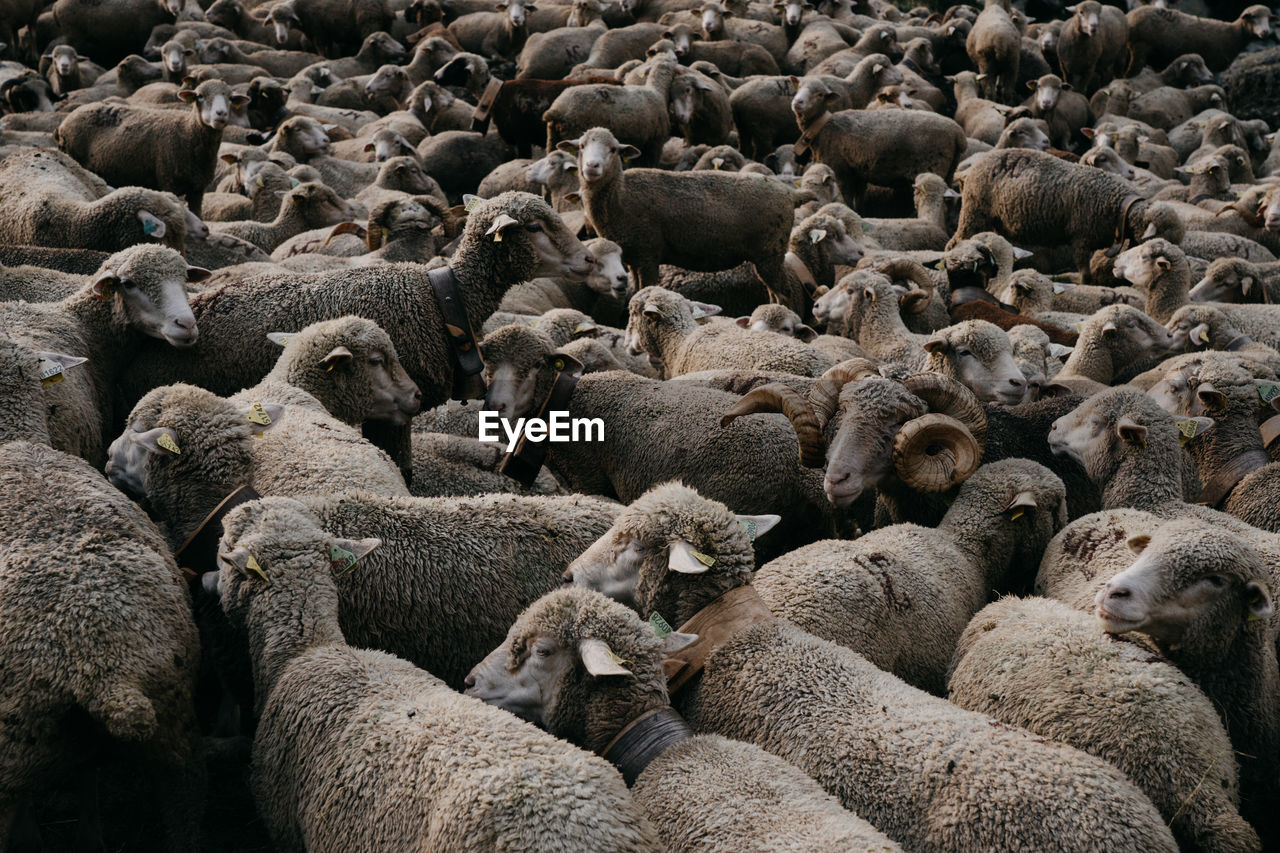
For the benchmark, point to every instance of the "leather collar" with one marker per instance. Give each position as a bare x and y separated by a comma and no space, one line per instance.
1238,343
524,463
1123,231
644,739
803,273
810,133
199,554
1202,197
467,364
715,624
1229,476
480,118
1270,430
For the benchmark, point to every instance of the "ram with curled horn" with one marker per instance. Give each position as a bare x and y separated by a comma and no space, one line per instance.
924,434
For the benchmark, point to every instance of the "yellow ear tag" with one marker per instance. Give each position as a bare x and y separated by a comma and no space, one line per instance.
1187,430
1204,336
341,561
166,441
386,233
1017,515
1267,393
659,625
559,364
258,415
50,372
497,236
705,559
252,565
618,660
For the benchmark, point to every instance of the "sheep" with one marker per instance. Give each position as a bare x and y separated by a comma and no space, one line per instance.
637,115
1158,36
499,35
460,159
901,595
929,229
1203,329
337,27
1221,635
305,206
1036,357
68,70
1168,107
885,148
1091,45
453,465
455,792
129,664
761,220
138,292
1037,664
684,787
1063,109
1035,198
1112,339
844,721
659,416
552,55
1159,270
151,148
22,380
762,113
700,109
994,46
982,119
664,325
535,243
1238,281
108,31
47,199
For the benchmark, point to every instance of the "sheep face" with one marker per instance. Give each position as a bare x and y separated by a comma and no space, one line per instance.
1259,20
654,312
1190,580
1142,265
609,277
860,437
306,136
1106,427
1226,280
682,36
1030,133
387,144
663,542
778,319
389,80
174,55
832,309
64,60
516,12
812,98
1048,91
1108,160
517,359
573,656
213,99
1191,327
1130,334
318,204
148,286
1087,17
1269,210
978,355
1175,393
404,173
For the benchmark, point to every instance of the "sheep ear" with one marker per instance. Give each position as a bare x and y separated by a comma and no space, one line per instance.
280,339
1019,254
1089,132
240,100
683,559
805,333
1161,262
186,95
230,159
500,224
1132,432
197,274
599,659
702,310
369,146
758,525
345,553
1211,397
158,440
744,322
569,146
1019,504
816,235
1258,600
935,346
104,287
1060,350
675,641
1066,87
61,361
337,357
628,153
869,294
1138,544
1108,328
152,225
1246,283
1031,84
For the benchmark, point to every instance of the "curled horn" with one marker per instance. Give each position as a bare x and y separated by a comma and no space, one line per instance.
898,268
944,447
825,395
776,397
344,228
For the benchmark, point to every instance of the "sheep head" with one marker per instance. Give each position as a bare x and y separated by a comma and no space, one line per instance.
1110,427
520,365
1229,280
1193,585
928,430
523,239
147,288
671,551
600,155
978,355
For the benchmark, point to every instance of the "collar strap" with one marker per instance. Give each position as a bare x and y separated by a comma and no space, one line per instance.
480,118
802,272
199,554
1270,430
1202,197
524,463
644,739
1122,225
911,63
464,353
715,624
1238,343
810,133
1229,476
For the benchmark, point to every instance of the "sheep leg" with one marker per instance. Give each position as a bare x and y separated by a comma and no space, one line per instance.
972,221
1137,59
645,275
175,772
89,827
395,441
195,200
770,271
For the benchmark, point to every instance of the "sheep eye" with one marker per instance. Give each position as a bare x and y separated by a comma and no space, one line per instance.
375,359
542,651
963,352
533,227
1217,581
128,283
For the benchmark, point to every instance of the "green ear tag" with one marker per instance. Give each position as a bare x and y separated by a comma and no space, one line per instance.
341,561
1268,393
750,526
471,202
659,625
